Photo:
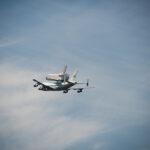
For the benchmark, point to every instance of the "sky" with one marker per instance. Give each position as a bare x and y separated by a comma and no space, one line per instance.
108,42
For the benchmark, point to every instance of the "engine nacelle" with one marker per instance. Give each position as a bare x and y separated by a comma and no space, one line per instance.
41,87
79,91
35,85
66,91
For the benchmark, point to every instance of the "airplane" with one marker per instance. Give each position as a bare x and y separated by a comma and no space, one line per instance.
63,76
62,86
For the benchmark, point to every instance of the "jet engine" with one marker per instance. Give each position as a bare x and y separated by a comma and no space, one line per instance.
79,91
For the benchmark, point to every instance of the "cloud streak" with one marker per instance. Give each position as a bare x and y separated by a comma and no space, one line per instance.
9,43
32,118
108,42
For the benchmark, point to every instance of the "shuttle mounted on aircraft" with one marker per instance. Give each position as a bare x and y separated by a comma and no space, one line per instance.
63,76
62,82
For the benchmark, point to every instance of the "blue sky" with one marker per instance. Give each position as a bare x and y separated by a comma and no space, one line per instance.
108,42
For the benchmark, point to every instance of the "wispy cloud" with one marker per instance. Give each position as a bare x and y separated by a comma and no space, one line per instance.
7,43
108,42
33,117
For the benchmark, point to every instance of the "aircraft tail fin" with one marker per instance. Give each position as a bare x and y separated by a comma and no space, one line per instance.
64,70
73,78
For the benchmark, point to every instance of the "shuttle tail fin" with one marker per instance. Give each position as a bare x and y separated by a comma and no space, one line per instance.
64,70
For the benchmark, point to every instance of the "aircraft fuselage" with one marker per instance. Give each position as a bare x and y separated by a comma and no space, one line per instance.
62,86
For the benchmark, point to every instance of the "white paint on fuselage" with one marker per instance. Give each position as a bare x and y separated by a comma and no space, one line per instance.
59,86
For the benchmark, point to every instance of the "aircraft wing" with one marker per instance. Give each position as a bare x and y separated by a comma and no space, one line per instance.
80,89
44,86
39,83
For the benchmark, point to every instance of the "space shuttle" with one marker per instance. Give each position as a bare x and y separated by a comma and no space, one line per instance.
61,77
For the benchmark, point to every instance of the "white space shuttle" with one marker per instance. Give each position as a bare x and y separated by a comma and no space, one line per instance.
62,77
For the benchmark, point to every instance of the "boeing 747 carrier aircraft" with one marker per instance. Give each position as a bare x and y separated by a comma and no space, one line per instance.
61,84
